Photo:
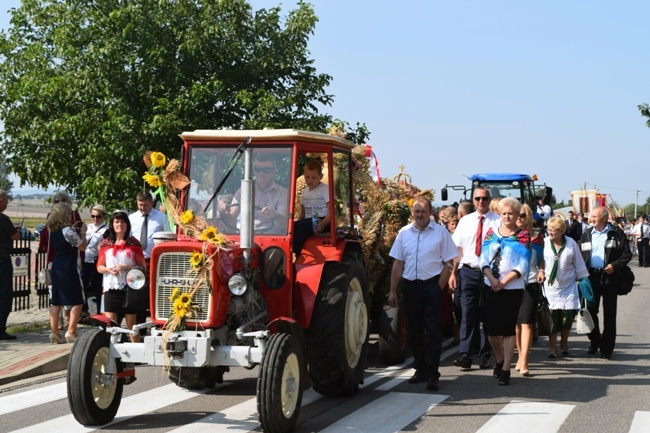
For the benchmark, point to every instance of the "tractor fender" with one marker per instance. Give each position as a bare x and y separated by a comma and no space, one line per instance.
99,320
288,325
309,270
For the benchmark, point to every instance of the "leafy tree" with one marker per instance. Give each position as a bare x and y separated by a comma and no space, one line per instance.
5,183
645,112
88,86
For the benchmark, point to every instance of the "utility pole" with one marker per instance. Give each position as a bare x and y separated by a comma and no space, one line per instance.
636,203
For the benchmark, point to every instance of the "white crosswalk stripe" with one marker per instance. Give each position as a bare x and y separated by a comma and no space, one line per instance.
387,414
34,397
519,416
641,422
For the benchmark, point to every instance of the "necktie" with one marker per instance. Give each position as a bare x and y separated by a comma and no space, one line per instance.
479,236
143,233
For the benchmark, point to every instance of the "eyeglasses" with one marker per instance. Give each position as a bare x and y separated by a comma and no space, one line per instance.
481,198
56,201
523,215
96,216
266,170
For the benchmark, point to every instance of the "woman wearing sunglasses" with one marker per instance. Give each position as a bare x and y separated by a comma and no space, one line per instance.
91,279
527,310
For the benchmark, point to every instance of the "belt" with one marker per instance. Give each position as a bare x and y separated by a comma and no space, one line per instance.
477,269
596,270
423,281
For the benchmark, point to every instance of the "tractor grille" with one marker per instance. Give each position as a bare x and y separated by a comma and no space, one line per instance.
173,270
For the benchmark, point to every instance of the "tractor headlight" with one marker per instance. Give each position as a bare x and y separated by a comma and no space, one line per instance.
237,285
136,278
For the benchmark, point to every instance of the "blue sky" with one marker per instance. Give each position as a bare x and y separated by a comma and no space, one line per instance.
449,89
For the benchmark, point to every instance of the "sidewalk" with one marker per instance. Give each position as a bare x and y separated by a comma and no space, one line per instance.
32,355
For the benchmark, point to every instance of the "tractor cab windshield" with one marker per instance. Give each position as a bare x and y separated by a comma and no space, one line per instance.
271,170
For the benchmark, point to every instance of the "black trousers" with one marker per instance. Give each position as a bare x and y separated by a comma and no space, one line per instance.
423,308
473,339
643,248
605,339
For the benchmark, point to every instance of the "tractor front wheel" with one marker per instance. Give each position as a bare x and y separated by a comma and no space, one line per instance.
279,394
94,392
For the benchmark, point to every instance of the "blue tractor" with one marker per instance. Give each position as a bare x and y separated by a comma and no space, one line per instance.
501,185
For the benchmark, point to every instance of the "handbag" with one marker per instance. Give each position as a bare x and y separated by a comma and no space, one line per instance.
137,297
585,324
626,281
544,316
45,274
45,277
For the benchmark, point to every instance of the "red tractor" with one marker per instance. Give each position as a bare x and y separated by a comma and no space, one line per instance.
303,321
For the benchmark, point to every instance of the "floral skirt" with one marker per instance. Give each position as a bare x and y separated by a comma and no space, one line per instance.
563,319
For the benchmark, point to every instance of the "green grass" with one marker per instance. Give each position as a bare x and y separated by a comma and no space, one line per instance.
28,327
31,223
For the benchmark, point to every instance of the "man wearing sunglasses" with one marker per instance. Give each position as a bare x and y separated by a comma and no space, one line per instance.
271,199
468,237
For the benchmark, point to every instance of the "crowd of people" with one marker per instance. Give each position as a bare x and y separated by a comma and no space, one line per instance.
505,258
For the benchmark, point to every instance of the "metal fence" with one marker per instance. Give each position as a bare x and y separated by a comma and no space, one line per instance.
27,263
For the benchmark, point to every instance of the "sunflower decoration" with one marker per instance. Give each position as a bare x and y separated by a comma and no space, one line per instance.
196,259
212,236
183,308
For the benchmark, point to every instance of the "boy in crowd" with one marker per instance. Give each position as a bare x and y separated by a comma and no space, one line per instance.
314,199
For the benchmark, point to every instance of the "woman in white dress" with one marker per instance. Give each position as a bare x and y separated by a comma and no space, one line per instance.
563,267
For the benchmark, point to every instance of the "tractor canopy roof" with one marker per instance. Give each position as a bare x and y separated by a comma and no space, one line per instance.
499,177
264,135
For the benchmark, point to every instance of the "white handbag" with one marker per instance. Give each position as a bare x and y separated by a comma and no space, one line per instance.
585,324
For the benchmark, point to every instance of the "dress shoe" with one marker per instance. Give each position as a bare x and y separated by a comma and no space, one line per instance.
592,350
525,372
463,362
606,355
432,385
417,378
5,336
498,368
55,339
504,380
552,355
484,362
69,338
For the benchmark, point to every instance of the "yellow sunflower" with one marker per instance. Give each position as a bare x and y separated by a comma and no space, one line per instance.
174,295
196,258
152,180
187,217
209,235
158,159
179,308
186,300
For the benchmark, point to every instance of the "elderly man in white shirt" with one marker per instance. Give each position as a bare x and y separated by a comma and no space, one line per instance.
468,237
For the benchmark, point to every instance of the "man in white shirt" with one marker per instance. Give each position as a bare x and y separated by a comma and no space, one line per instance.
543,210
144,223
641,233
423,253
156,221
468,237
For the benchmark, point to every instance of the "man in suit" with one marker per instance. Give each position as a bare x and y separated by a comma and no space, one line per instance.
605,250
573,227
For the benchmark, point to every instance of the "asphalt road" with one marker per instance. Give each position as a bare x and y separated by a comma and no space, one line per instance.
576,393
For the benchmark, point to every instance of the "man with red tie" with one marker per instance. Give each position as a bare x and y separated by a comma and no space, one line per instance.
468,238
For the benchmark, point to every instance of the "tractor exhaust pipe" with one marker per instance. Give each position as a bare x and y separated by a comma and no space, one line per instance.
247,211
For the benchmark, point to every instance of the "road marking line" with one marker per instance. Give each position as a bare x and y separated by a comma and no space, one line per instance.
388,414
640,422
519,416
138,404
33,397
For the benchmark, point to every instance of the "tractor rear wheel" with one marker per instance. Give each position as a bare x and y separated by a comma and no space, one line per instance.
337,339
94,393
279,394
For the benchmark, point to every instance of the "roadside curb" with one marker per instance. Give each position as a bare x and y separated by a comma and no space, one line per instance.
51,361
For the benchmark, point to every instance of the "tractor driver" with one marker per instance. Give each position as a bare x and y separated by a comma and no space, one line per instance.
271,199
